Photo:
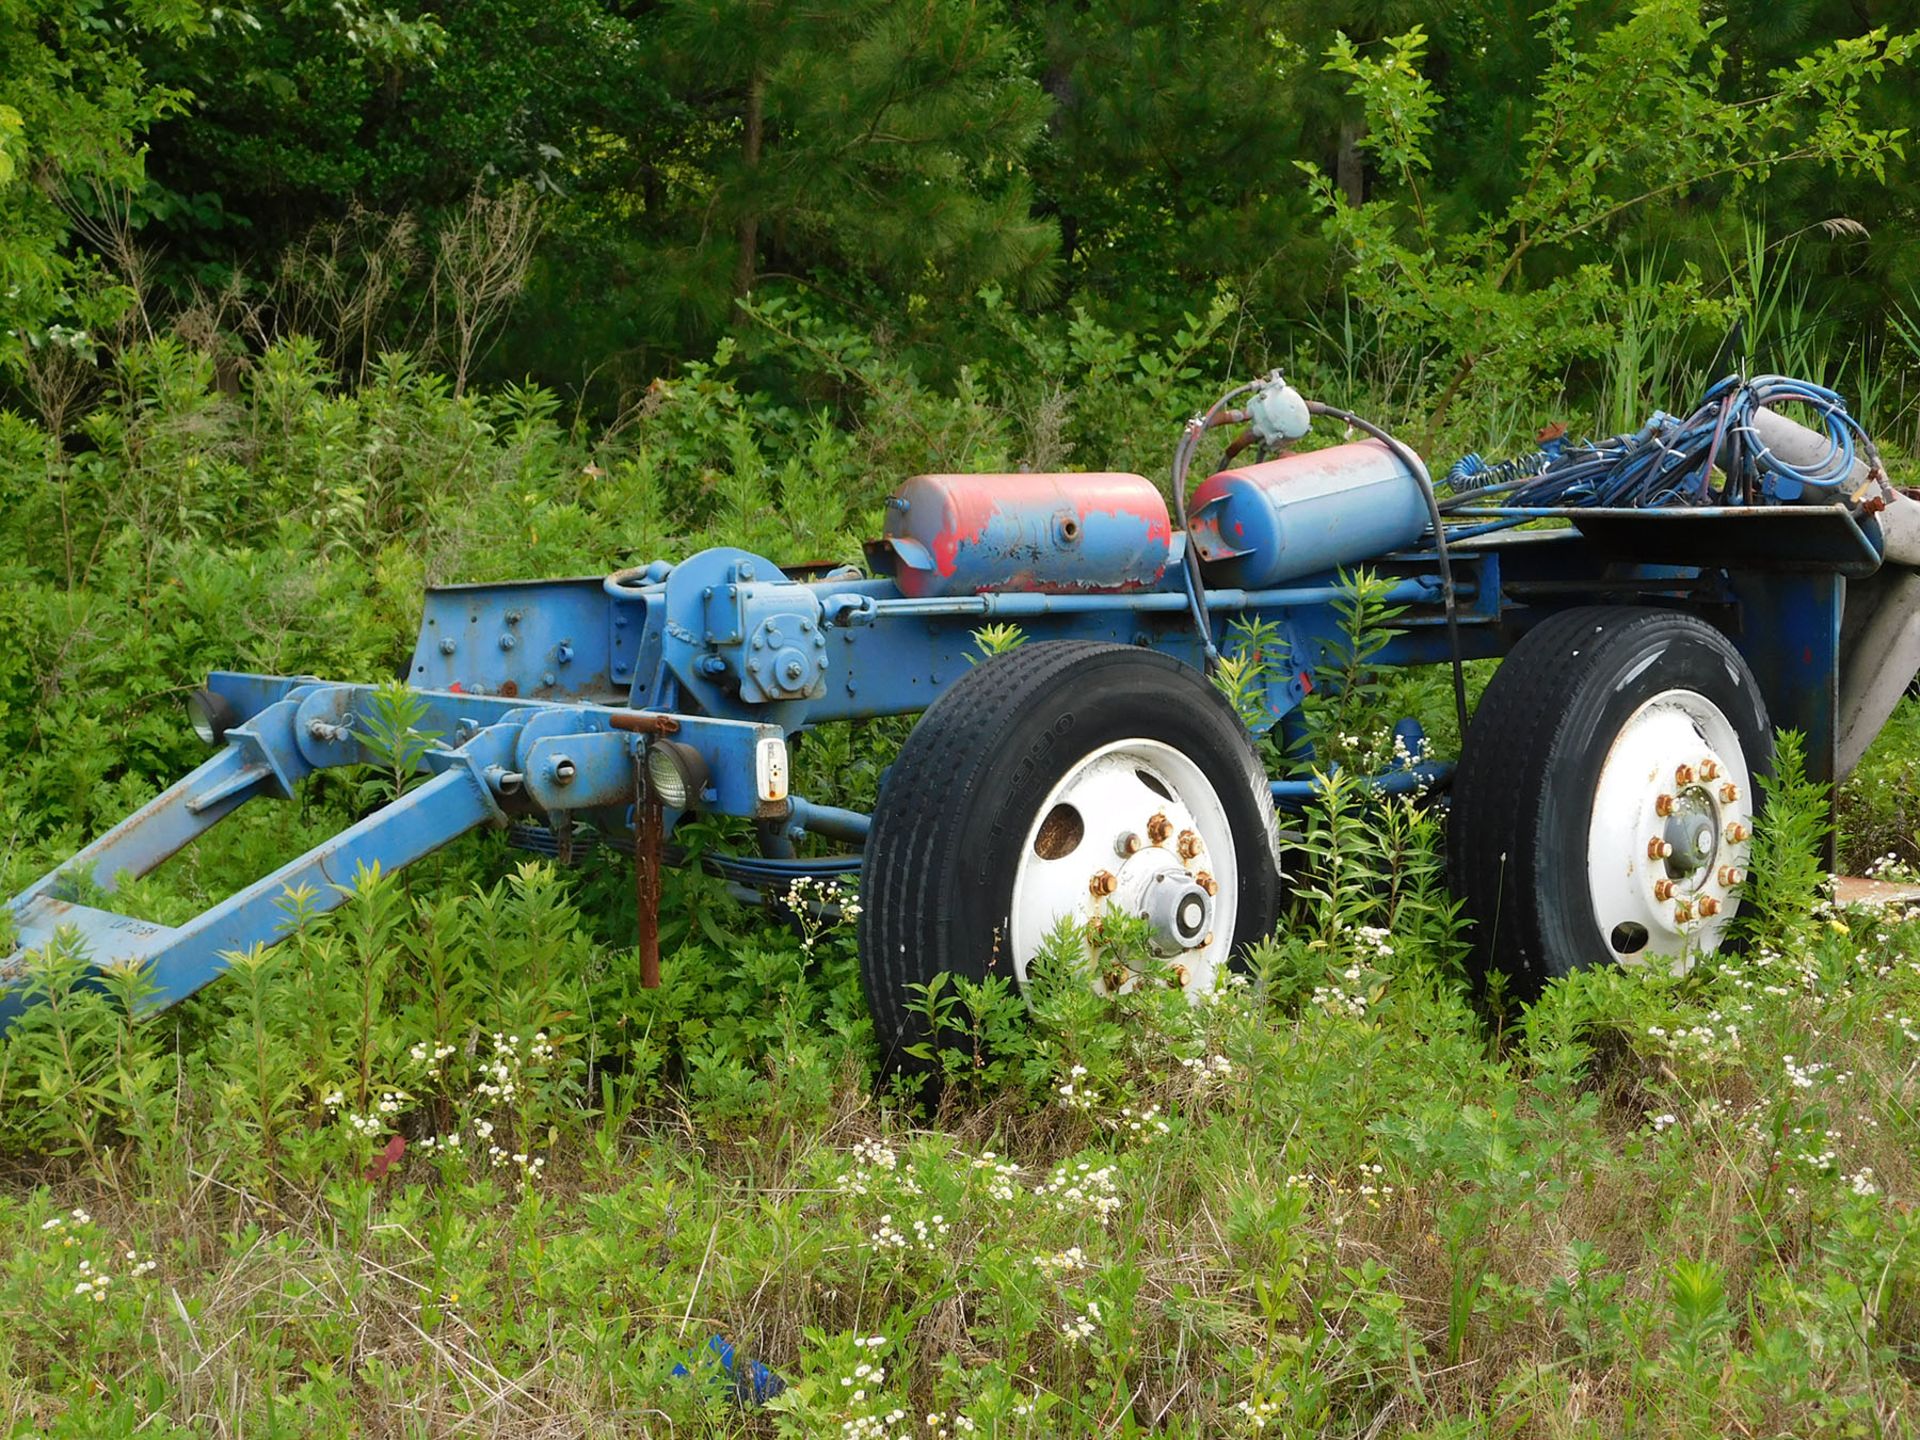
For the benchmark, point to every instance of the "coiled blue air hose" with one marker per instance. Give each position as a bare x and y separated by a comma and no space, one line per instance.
1713,456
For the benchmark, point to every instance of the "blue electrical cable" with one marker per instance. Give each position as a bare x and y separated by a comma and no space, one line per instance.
1713,456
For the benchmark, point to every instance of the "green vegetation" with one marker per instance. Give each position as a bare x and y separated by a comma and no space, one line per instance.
303,307
1334,1193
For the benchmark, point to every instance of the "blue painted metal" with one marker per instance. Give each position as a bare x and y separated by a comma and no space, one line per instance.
550,639
832,821
1831,537
181,960
1417,774
1262,525
1790,638
1429,776
162,826
491,757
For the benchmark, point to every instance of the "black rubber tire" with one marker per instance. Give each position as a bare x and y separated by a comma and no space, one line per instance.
958,803
1523,795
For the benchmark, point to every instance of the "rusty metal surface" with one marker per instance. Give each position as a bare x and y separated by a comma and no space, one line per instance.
1853,890
643,722
649,836
1803,537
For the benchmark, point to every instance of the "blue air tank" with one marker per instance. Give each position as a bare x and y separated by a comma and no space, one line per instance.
1264,525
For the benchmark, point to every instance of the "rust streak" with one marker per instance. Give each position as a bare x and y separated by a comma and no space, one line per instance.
643,722
649,826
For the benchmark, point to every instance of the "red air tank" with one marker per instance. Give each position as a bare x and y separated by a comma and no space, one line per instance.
1061,534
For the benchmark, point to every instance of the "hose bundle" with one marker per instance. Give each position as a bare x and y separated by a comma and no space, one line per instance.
1714,456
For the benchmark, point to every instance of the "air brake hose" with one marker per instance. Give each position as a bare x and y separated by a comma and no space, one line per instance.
1418,468
1183,455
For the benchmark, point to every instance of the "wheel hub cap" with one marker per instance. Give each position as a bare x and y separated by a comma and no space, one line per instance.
1180,912
1133,829
1670,831
1690,833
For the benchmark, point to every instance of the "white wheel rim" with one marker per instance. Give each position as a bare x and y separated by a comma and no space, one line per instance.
1152,837
1677,777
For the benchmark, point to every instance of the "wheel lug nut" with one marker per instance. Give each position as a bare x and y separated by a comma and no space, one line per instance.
1731,875
1736,832
1178,979
1204,879
1102,884
1682,912
1709,770
1709,907
1206,940
1189,845
1127,844
1683,775
1114,978
1663,889
1663,805
1729,793
1158,829
1658,849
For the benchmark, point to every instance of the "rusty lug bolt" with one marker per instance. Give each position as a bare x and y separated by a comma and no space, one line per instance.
1709,770
1102,884
1736,832
1709,907
1663,889
1729,793
1128,844
1178,979
1158,829
1658,849
1206,940
1204,879
1683,775
1189,845
1682,912
1663,805
1114,978
1732,875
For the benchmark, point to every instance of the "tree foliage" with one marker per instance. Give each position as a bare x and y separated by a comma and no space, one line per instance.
1628,118
1467,189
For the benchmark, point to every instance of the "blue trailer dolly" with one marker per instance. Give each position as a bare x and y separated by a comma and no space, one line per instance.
1703,581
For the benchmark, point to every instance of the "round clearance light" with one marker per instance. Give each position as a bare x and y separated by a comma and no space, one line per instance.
211,716
676,772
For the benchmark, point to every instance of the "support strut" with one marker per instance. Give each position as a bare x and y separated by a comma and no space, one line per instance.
649,832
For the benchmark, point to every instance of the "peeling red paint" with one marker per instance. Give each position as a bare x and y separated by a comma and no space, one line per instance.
1069,533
